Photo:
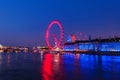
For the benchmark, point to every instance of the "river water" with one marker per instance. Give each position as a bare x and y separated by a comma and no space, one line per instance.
36,66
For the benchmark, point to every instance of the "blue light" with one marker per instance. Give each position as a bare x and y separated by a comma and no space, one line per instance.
109,46
88,46
114,46
69,47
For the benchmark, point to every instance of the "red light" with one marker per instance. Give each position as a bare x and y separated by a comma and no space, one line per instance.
47,72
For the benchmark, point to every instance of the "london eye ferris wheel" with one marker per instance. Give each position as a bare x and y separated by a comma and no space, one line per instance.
56,40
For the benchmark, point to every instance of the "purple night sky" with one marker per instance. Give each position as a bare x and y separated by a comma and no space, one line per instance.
24,22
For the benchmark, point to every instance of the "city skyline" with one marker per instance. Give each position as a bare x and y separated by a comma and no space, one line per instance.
25,22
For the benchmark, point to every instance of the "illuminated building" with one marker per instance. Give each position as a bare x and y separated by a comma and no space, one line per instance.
1,48
113,46
73,37
99,45
69,39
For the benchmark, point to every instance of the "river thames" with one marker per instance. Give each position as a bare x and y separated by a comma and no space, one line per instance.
36,66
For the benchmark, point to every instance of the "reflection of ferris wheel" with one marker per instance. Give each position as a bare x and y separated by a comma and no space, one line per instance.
57,41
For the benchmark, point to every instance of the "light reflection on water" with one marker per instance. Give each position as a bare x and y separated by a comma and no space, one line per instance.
35,66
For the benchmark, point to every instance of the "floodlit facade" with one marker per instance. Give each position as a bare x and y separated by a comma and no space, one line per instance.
103,45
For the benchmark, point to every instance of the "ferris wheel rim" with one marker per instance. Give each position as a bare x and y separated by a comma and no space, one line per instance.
61,33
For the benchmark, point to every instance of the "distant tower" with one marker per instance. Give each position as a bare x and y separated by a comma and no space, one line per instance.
73,37
89,37
69,38
100,38
115,38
